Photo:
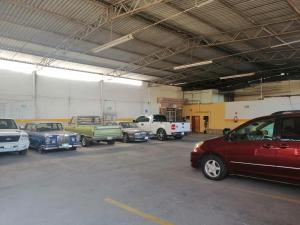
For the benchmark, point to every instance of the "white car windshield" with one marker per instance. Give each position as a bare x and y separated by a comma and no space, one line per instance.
7,124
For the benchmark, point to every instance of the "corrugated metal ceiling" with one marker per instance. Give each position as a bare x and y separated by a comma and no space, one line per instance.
47,23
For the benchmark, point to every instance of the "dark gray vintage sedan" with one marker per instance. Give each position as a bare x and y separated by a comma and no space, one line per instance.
49,136
131,132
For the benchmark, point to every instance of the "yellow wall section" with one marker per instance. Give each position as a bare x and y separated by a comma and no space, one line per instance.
216,113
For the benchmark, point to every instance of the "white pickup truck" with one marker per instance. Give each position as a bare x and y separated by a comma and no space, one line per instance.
11,138
158,126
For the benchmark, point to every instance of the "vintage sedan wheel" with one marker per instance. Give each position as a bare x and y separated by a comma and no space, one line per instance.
125,138
41,150
161,135
85,142
213,167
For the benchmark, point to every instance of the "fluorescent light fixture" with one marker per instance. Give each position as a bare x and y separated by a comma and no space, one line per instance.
17,66
68,74
122,81
113,43
237,76
182,83
203,3
283,44
193,65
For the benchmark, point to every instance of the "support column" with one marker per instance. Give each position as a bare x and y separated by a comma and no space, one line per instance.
34,80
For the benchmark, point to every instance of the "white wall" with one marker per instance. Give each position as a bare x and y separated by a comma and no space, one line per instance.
58,98
253,109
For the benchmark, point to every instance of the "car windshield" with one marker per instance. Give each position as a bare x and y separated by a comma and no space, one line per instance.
48,127
128,125
89,120
7,124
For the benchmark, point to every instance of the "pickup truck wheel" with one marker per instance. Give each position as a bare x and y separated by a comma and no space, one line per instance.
85,142
125,138
112,142
213,167
23,152
161,135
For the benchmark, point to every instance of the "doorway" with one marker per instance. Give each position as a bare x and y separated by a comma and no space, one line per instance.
196,124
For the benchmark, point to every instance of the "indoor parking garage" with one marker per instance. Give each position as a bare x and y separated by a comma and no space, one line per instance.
149,112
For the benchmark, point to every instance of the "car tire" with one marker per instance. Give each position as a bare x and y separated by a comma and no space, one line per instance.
213,167
41,150
73,148
178,137
85,141
112,142
23,152
161,135
125,138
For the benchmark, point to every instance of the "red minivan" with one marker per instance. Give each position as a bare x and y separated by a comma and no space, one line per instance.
267,147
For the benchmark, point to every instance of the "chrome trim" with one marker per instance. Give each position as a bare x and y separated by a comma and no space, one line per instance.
257,164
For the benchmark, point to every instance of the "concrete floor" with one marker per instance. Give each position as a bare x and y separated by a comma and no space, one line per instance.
122,184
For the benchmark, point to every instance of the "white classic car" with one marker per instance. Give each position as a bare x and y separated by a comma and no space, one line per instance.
12,139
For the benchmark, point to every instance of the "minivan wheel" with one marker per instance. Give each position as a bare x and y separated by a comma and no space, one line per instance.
213,167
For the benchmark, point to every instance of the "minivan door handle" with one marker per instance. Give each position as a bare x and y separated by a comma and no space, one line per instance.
267,146
283,146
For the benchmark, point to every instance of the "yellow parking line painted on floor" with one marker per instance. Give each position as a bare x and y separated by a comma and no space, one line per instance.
137,212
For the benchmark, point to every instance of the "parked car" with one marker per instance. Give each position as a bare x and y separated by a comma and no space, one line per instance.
12,139
131,132
91,128
48,136
267,147
160,127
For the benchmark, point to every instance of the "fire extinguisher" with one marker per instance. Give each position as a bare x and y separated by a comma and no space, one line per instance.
235,119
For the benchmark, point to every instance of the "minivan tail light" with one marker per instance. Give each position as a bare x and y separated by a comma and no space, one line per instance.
173,127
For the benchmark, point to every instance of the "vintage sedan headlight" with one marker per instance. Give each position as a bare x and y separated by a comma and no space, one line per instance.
198,146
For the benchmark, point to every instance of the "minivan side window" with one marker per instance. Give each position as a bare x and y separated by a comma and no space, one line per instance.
290,129
256,131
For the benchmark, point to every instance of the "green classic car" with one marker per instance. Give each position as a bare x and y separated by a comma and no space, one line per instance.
92,129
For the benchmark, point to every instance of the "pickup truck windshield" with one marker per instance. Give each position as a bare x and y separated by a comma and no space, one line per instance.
128,125
7,124
42,127
89,120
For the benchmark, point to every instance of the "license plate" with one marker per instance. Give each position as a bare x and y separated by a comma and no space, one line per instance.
109,138
65,145
182,133
146,138
7,147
